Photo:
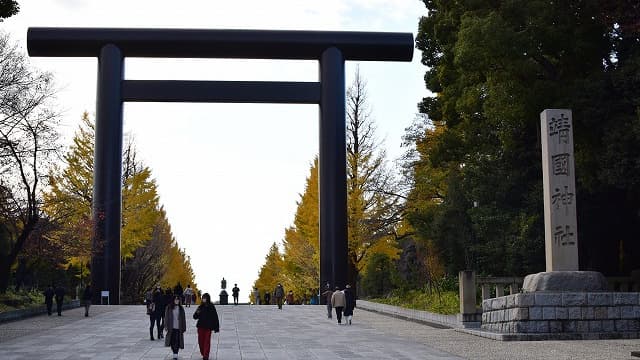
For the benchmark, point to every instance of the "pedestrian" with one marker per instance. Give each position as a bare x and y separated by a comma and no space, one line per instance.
235,292
256,296
160,304
86,299
167,298
148,298
267,297
350,303
338,302
290,297
207,317
48,298
278,294
151,310
59,292
188,295
327,296
177,291
175,325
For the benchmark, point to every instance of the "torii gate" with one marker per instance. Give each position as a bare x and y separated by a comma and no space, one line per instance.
111,46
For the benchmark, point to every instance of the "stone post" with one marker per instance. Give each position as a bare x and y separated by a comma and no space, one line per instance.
513,289
467,291
559,188
467,288
486,291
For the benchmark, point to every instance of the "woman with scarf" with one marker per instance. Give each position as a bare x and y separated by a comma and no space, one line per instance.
175,324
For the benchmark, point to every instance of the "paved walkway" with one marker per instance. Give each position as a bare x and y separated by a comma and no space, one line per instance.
264,332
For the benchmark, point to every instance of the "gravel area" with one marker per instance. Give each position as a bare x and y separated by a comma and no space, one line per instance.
474,347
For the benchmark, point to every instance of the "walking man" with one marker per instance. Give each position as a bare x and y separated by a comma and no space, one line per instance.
338,301
86,299
278,294
327,295
48,299
256,296
59,298
236,292
188,295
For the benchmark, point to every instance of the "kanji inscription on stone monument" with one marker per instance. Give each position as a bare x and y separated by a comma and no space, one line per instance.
559,185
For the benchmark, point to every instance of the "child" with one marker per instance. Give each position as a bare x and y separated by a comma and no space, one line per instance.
175,325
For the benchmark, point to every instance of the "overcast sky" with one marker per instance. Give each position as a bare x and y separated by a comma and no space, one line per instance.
229,175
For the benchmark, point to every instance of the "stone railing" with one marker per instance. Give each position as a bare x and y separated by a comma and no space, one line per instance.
499,284
624,284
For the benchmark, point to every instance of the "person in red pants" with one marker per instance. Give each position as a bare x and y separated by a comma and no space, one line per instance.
207,317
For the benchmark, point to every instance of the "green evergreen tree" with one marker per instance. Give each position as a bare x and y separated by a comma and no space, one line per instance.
8,8
494,67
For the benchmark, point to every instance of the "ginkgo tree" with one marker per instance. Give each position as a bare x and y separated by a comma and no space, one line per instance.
146,239
302,243
270,273
68,201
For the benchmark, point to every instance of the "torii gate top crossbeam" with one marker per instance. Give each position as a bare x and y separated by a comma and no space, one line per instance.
206,43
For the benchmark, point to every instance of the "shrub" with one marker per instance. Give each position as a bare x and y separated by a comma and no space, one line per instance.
12,300
447,303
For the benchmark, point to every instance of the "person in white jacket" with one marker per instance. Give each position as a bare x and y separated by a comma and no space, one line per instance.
188,295
338,302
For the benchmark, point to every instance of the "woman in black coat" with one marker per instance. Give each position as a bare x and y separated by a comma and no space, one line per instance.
207,317
350,300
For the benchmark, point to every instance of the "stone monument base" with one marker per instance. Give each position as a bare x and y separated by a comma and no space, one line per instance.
224,298
554,315
563,281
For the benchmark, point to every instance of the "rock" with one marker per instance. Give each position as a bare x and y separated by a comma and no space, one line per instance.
574,281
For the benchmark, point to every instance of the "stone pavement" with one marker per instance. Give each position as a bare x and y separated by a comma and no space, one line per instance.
264,332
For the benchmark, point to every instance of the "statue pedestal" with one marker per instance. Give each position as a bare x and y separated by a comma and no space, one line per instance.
224,297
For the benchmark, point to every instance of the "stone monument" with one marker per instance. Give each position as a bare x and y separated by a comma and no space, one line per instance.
224,296
559,187
560,219
563,302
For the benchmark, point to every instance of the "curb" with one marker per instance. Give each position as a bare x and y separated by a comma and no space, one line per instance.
34,311
424,317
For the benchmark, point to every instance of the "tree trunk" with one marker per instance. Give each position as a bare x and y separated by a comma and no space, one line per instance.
5,271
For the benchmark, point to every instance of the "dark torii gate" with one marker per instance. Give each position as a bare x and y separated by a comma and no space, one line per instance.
111,46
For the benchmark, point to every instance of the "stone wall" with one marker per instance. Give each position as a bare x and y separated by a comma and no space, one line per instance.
38,310
590,315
